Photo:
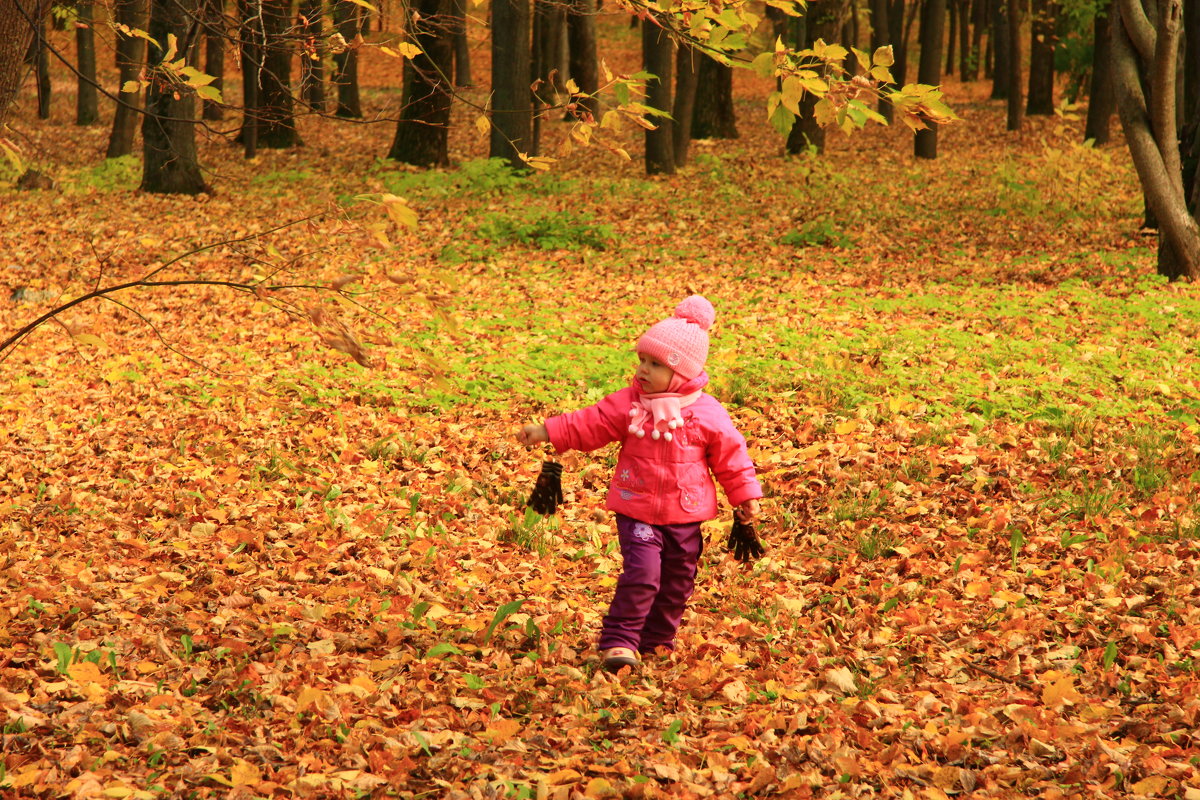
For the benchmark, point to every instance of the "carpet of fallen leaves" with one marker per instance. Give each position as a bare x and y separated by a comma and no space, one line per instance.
236,563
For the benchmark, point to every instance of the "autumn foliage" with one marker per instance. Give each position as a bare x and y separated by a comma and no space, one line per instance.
275,544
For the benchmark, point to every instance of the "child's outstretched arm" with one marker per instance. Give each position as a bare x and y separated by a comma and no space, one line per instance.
533,433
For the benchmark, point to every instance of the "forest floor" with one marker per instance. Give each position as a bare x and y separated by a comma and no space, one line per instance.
234,562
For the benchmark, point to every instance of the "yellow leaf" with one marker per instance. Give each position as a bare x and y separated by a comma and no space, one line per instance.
598,787
1062,692
243,773
849,426
90,338
482,125
501,730
309,696
398,209
409,50
841,679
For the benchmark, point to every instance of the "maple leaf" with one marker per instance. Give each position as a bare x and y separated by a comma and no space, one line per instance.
335,334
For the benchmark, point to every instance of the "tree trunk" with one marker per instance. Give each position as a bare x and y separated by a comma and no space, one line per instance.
951,35
348,19
462,46
713,116
277,121
549,20
1191,60
881,37
250,53
131,52
822,20
1043,39
41,60
87,102
1100,96
899,39
658,59
1150,127
312,52
422,134
979,24
929,70
583,64
512,123
1000,42
1015,106
687,71
16,35
964,40
169,126
215,33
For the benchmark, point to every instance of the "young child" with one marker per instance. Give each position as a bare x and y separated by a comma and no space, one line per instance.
672,435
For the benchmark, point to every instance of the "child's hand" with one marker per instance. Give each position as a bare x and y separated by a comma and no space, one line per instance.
532,434
748,510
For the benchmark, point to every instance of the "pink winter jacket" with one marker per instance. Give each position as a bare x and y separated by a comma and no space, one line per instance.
661,482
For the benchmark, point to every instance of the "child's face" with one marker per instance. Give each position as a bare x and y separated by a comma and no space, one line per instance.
653,375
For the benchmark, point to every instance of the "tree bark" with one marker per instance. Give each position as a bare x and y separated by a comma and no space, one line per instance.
348,20
899,40
687,71
929,70
583,63
1150,128
713,115
979,23
277,120
951,34
1191,61
1100,95
131,53
658,59
1043,38
170,165
16,34
87,100
250,52
512,122
462,46
1015,106
1000,42
312,53
41,60
422,134
215,33
881,37
964,39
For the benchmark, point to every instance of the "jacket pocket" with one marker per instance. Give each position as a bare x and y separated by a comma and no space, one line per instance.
695,488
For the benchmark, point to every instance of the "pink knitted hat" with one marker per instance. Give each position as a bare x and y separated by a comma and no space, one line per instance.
681,341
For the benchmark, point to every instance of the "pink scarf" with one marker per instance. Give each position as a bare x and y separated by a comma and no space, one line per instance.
664,408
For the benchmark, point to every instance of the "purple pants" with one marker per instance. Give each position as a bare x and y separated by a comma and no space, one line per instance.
656,581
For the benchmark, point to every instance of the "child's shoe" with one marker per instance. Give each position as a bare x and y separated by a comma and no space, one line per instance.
616,657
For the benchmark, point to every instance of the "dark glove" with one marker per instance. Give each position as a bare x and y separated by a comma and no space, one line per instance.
743,541
547,492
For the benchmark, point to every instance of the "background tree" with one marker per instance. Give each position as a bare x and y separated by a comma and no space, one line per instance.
1043,25
169,163
713,115
979,24
511,111
929,70
881,36
1100,94
348,20
40,56
462,46
1016,108
16,35
277,121
311,29
823,20
1000,49
130,55
1148,33
687,71
422,134
87,99
582,61
658,59
215,35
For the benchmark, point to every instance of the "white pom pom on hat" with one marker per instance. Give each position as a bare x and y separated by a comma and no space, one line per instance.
681,341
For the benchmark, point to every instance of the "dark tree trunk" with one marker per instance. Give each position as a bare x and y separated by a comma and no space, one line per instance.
687,71
1015,106
1191,60
549,21
658,59
929,71
964,39
1043,38
881,37
512,122
250,54
41,60
978,26
87,102
277,121
713,116
1101,104
169,126
348,20
16,37
312,51
951,34
215,33
1001,42
422,134
898,34
462,46
131,52
583,64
